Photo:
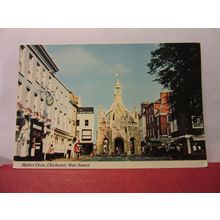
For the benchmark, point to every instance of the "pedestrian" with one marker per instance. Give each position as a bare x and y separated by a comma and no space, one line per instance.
69,151
94,150
105,146
143,144
51,153
194,147
117,150
45,143
33,147
76,150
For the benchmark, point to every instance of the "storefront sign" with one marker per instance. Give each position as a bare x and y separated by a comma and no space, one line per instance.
37,127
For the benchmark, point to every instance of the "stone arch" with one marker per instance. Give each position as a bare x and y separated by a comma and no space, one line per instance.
119,145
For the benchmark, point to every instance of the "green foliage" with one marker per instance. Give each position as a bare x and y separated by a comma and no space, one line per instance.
177,66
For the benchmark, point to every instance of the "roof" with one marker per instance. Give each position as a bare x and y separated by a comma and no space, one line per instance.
44,56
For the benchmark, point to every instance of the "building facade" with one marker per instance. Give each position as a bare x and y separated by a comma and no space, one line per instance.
44,108
64,117
85,128
157,118
118,127
188,130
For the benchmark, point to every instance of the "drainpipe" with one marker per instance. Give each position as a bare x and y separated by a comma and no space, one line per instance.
188,144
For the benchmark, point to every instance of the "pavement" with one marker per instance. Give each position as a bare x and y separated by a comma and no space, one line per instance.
113,158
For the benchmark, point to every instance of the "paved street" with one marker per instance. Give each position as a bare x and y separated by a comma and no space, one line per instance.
114,158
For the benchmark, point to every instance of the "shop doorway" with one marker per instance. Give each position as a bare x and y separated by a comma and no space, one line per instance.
36,139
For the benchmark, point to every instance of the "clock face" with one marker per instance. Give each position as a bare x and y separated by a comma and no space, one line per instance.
49,100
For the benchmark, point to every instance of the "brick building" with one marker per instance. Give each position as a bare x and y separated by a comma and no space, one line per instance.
157,118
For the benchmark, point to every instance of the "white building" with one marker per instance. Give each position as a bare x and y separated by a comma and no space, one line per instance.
64,118
85,128
44,108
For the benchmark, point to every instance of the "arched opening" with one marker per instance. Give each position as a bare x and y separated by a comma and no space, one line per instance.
132,145
119,145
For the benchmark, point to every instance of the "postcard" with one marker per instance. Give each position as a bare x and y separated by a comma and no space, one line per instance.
109,106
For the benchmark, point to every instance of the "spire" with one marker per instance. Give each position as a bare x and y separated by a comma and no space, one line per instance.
117,102
117,88
117,76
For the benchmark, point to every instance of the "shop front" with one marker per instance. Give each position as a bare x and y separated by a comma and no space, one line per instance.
35,150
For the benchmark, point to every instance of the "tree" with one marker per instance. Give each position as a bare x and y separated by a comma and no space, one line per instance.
177,66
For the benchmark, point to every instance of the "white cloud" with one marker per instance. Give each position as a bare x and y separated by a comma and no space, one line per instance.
78,60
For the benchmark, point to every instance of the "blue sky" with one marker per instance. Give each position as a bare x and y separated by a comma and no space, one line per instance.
89,71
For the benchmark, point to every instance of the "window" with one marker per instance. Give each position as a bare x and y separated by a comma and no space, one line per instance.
158,121
35,102
197,122
49,82
43,77
38,72
168,131
77,123
158,133
30,66
20,66
86,134
168,118
173,126
152,118
86,122
56,140
21,58
19,91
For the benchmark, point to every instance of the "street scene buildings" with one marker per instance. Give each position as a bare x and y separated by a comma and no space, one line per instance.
46,109
85,126
53,125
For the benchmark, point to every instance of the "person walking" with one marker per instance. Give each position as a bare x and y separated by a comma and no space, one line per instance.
69,151
105,147
76,150
51,153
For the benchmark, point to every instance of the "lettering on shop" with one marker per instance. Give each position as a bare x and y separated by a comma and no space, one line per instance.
37,127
